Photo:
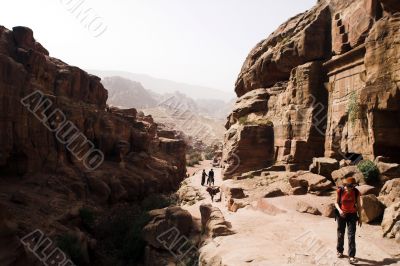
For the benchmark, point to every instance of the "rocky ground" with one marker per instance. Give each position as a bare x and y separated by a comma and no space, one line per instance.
270,231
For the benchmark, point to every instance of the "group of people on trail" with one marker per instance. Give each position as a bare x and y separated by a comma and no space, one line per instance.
210,179
211,188
348,213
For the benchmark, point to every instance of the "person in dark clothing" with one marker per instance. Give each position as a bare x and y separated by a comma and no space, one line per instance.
348,213
203,177
210,179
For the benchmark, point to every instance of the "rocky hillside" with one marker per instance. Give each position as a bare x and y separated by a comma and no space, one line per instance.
201,120
324,84
180,112
125,93
65,156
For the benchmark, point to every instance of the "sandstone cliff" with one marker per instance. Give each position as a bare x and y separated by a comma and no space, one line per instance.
325,83
42,179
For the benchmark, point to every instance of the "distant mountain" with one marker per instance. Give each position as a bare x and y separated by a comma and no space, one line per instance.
215,108
162,86
175,111
180,112
126,93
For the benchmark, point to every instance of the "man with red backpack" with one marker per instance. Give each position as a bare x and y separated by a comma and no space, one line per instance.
348,213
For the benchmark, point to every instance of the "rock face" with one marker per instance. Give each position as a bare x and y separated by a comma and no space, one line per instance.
46,155
167,233
345,172
312,182
282,130
328,82
304,207
294,43
125,93
324,166
253,142
388,170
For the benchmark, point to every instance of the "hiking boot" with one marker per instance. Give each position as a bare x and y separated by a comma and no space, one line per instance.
339,255
353,260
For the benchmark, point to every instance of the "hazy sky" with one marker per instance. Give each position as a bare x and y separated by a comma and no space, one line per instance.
202,42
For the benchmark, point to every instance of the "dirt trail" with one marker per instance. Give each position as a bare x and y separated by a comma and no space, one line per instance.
288,238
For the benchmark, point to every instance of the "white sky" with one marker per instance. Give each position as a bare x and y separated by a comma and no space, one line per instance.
202,42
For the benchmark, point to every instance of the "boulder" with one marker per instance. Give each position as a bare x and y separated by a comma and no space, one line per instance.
232,191
274,192
371,208
304,207
345,172
166,225
296,181
390,218
298,191
390,192
344,163
189,194
388,171
213,221
324,166
329,210
367,190
314,182
235,204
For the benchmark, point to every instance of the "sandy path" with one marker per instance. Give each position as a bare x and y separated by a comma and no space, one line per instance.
289,238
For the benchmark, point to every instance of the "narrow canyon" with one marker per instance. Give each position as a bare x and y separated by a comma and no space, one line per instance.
84,182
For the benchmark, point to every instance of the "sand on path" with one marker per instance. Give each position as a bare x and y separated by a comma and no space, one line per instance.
288,238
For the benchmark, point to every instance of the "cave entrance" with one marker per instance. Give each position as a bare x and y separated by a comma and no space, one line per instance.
355,158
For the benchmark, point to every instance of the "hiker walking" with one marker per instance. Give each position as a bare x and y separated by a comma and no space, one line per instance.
203,177
210,179
348,213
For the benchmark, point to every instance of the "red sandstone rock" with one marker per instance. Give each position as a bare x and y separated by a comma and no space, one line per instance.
354,88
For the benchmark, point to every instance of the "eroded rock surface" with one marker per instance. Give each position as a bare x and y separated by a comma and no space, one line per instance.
33,157
327,82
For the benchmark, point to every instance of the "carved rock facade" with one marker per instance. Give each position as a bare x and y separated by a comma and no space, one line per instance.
327,83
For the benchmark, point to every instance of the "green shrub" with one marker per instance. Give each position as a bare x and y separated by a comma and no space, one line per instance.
70,245
369,170
265,122
87,217
353,108
209,156
243,120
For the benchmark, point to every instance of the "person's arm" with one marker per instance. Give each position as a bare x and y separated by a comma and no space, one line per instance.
359,209
337,205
